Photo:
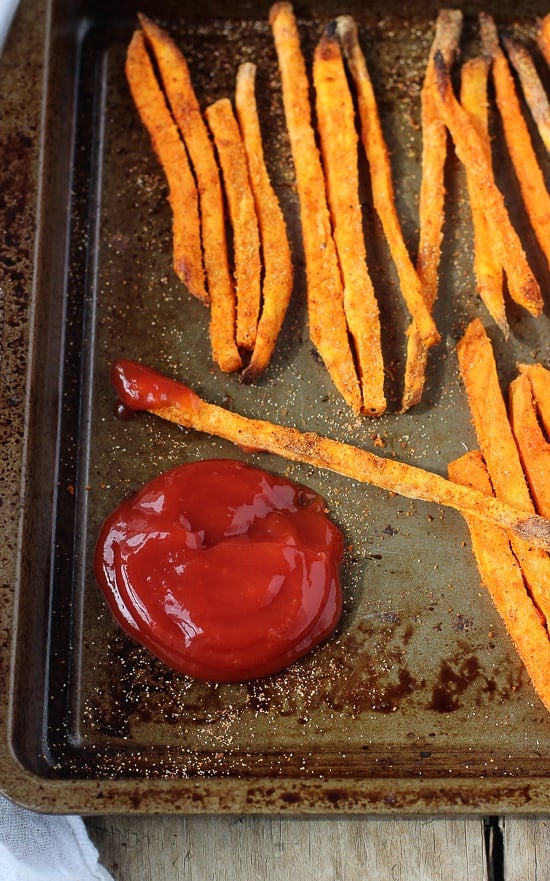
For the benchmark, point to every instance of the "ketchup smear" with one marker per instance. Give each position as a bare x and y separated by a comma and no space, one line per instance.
223,571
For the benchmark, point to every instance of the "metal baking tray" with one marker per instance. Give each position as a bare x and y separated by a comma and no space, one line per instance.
418,702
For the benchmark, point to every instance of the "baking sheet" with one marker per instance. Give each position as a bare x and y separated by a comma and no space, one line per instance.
418,702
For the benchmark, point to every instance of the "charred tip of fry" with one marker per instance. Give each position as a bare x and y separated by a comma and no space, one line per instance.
250,374
328,46
149,26
330,32
347,32
534,529
441,73
489,35
345,24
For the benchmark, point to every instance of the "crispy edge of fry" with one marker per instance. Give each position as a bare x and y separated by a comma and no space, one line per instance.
378,158
177,403
277,258
172,155
178,87
539,377
431,205
531,85
478,370
502,577
543,37
536,198
534,449
325,297
338,137
522,284
242,214
487,267
499,449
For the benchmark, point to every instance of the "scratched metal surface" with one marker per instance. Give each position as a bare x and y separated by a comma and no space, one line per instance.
418,702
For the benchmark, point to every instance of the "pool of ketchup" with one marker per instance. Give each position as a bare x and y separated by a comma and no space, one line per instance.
223,571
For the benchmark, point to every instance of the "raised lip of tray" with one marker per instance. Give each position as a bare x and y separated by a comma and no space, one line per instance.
87,796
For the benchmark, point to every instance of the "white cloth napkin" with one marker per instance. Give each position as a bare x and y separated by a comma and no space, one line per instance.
40,847
7,11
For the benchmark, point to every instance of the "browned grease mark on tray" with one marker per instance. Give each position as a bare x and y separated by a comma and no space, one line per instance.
348,680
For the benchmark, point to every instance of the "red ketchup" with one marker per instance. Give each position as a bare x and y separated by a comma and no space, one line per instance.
223,571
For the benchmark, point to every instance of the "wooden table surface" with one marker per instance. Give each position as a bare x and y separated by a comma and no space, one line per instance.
236,848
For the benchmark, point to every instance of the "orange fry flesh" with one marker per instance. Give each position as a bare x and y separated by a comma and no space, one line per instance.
543,37
532,87
487,267
338,136
172,155
471,150
325,299
277,258
502,577
381,181
532,443
178,404
176,80
242,212
539,377
518,139
498,447
431,200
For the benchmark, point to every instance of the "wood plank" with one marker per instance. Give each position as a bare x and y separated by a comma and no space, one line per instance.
526,848
278,848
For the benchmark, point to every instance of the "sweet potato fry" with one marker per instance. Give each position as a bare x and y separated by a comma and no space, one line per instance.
172,155
487,267
278,270
500,452
471,150
531,85
543,37
381,181
539,377
532,443
448,27
518,140
242,213
141,388
501,575
325,297
183,102
338,137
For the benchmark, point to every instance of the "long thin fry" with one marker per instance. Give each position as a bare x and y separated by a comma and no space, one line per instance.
487,267
242,212
448,27
278,273
381,181
325,298
531,85
471,150
539,377
533,445
498,447
141,388
185,107
501,575
518,140
167,144
338,136
543,37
